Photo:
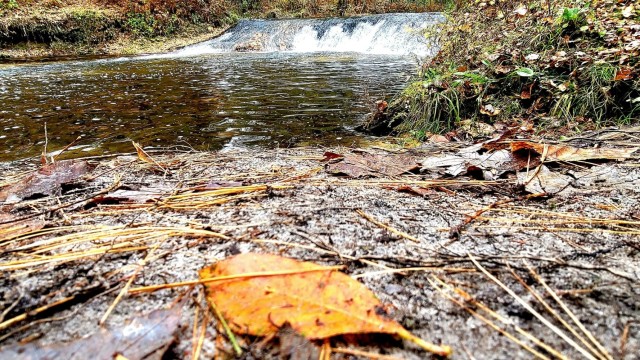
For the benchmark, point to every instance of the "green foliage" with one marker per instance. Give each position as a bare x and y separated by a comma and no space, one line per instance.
7,5
140,24
428,109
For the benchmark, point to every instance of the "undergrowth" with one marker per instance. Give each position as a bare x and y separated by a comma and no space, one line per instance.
565,65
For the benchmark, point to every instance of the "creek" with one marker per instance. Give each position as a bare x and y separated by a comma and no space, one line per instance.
305,82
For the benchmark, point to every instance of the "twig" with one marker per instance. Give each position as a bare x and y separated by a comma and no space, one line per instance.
53,158
455,231
387,227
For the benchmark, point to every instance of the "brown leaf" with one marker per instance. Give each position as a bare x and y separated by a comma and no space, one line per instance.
330,156
624,73
381,105
142,155
366,164
568,153
415,190
146,337
258,294
294,346
438,139
46,181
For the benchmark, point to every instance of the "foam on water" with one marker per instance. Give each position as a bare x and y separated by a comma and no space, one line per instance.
385,34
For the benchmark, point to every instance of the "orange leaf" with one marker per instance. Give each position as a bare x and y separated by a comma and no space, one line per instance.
568,153
624,73
318,302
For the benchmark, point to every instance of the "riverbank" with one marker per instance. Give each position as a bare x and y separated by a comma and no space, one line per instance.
31,30
557,67
81,238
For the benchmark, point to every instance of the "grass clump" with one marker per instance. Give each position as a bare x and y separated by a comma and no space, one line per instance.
562,66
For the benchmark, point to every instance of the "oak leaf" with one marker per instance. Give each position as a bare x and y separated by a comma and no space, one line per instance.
257,294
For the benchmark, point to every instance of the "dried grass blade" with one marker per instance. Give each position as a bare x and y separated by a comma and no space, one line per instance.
521,301
603,352
434,282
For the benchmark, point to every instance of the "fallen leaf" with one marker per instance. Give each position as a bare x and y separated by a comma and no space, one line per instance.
416,190
146,337
624,73
525,72
628,11
330,156
438,139
144,156
493,164
366,164
526,91
489,110
381,105
568,153
544,181
46,181
265,292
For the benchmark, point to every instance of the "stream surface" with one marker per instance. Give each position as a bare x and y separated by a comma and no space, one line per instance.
211,101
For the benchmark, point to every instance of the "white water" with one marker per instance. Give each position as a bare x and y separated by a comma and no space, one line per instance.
386,34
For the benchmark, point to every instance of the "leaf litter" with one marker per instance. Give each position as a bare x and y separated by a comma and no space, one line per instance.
317,302
277,202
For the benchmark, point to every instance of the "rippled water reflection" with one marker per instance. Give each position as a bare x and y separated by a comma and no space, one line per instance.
208,102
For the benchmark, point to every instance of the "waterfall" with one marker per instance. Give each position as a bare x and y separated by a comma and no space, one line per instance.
391,34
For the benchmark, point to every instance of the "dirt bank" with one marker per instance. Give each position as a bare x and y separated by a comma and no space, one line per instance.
193,209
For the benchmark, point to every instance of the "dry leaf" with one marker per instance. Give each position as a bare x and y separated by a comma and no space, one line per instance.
438,139
624,73
142,155
568,153
46,181
545,181
146,337
366,164
269,291
489,110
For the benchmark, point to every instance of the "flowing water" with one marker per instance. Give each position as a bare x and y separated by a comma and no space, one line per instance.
209,96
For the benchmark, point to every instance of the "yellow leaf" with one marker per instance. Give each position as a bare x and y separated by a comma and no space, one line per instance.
318,302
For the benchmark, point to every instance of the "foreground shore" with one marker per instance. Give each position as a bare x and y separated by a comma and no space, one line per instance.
127,222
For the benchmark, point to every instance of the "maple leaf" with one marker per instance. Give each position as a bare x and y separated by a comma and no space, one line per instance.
260,293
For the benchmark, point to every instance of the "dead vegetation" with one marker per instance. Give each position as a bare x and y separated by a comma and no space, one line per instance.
475,259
